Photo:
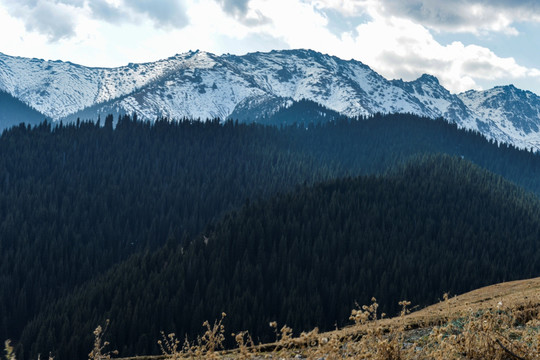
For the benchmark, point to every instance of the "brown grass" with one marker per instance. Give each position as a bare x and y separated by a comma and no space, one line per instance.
496,322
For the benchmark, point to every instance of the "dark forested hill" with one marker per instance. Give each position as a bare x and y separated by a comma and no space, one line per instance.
75,200
304,112
13,112
439,224
78,199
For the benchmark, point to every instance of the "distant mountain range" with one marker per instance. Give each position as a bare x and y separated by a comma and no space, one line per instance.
254,86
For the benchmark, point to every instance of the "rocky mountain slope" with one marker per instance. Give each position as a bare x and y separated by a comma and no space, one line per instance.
202,85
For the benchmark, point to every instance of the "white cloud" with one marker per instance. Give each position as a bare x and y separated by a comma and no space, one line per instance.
164,13
55,20
58,19
473,16
400,48
345,7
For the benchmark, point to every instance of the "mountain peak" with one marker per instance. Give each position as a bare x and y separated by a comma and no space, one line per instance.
427,78
509,90
423,79
504,88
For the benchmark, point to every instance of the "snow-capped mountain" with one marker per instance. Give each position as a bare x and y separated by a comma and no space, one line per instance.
202,85
436,100
506,113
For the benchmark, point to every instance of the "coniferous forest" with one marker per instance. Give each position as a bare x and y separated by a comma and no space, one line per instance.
160,226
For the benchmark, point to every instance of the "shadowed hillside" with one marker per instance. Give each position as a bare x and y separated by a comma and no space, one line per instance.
13,112
304,258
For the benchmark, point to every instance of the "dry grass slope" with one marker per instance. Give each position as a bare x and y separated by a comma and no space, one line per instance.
495,322
499,322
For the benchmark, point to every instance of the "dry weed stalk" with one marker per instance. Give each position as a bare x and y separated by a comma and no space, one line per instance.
207,346
99,345
284,339
10,352
246,347
169,346
381,343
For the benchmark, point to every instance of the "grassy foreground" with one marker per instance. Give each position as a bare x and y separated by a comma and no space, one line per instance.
501,321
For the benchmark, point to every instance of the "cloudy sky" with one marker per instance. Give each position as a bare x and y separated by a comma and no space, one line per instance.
467,44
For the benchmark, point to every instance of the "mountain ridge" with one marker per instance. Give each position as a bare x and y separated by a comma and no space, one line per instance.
199,84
